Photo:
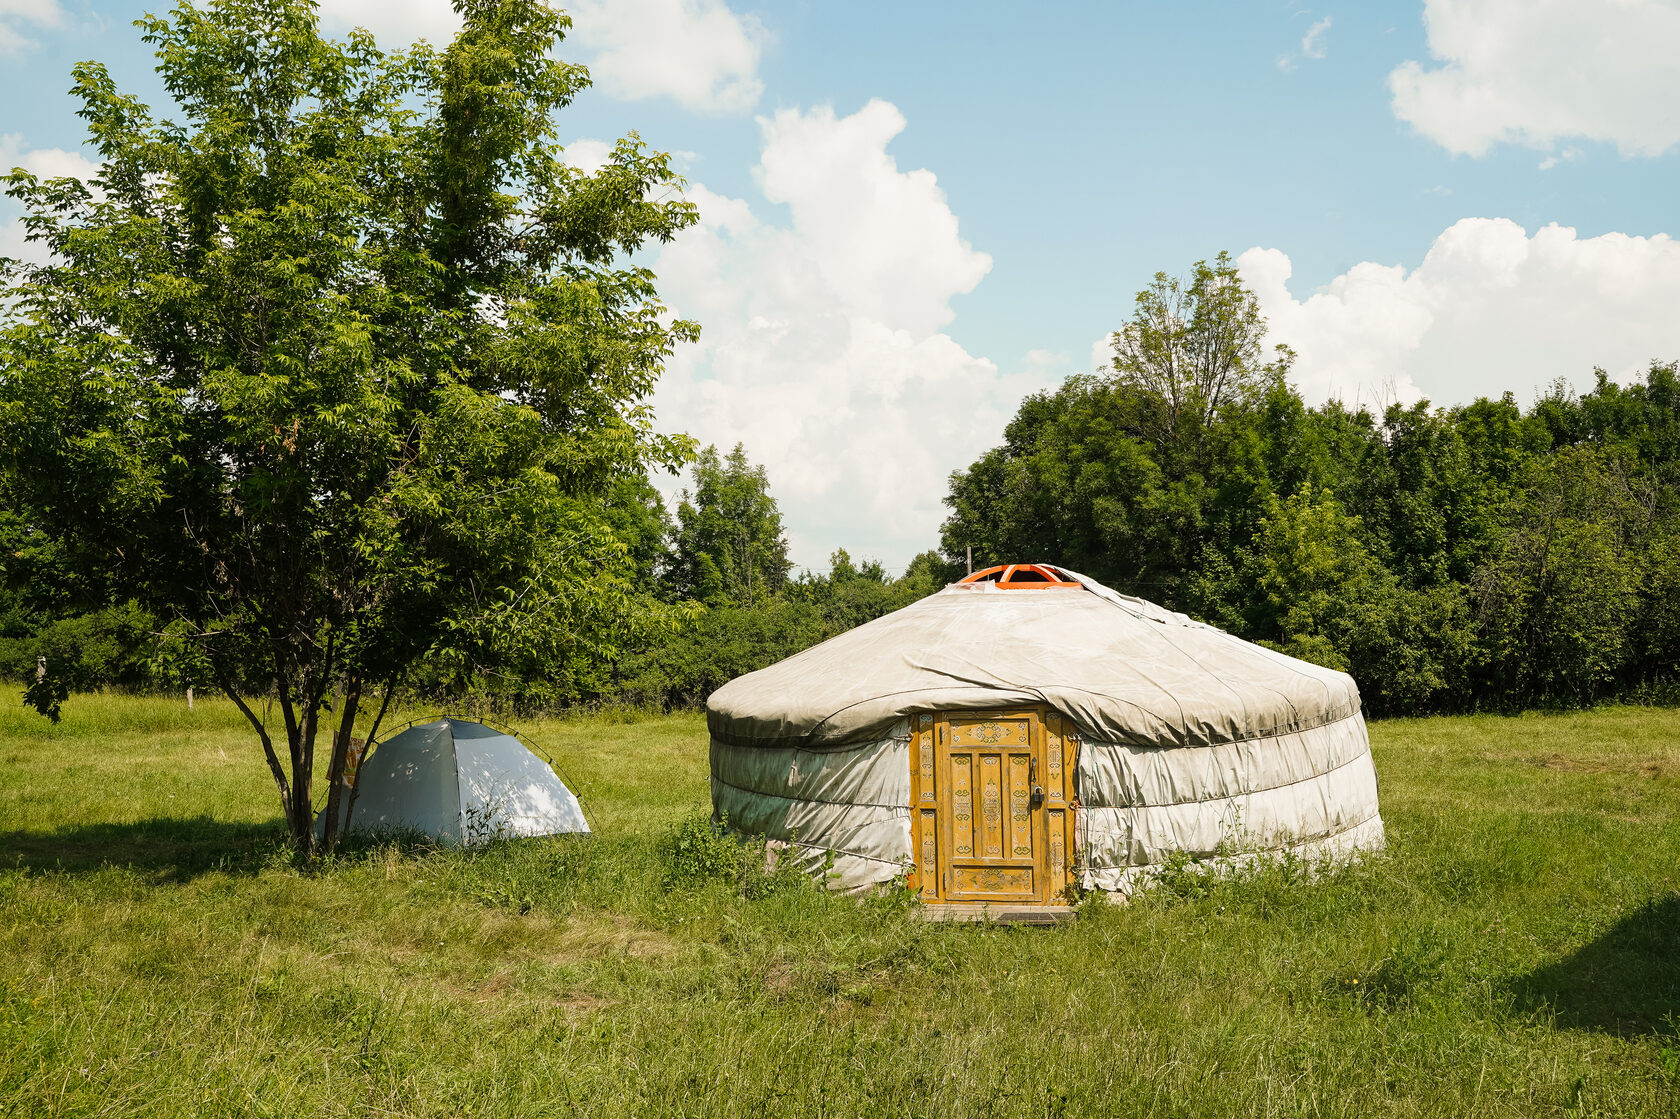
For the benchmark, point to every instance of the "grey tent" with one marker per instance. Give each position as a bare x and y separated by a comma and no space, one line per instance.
1029,730
461,782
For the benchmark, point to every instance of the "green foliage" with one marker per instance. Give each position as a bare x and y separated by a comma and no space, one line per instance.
1313,575
729,639
714,648
1192,351
1447,558
341,376
699,850
728,545
1560,592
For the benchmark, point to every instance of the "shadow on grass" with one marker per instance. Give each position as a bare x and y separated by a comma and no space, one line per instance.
1627,982
179,848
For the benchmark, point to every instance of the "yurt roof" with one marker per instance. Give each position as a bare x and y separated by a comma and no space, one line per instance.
1125,670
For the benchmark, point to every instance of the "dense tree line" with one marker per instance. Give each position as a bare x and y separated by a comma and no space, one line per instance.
1480,556
717,570
1484,555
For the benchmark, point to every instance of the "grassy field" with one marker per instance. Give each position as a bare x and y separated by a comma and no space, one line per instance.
1515,952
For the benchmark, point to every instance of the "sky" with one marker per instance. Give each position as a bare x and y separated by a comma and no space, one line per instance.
915,215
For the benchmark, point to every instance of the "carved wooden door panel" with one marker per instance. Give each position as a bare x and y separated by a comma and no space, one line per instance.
992,806
988,765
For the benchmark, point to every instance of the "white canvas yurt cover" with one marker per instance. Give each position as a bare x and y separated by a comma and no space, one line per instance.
460,781
1032,730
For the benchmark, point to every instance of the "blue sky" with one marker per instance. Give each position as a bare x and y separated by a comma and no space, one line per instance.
914,214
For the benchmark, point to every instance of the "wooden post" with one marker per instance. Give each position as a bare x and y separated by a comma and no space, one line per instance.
40,668
971,559
189,697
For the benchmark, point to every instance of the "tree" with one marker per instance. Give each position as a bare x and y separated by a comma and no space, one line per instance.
332,375
1558,601
1193,349
728,545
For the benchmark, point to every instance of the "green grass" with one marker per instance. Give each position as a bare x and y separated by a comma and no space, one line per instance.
1515,952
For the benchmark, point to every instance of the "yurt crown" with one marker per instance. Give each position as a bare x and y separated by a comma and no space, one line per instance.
1023,576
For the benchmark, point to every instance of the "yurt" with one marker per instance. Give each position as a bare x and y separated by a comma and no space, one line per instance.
458,781
1028,730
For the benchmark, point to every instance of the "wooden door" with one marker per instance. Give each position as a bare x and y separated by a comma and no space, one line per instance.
992,806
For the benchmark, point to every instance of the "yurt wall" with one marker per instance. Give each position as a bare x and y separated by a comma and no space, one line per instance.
1003,745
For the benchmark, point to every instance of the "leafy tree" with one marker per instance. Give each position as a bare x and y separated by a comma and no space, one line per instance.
332,375
728,546
719,644
1558,600
1656,633
1313,573
1133,476
1192,349
728,639
1073,484
639,518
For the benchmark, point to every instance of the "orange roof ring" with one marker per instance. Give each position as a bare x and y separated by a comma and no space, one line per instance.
1023,577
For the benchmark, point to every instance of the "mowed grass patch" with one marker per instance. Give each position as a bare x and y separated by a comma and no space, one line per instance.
1516,951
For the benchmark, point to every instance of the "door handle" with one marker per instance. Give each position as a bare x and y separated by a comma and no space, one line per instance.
1032,779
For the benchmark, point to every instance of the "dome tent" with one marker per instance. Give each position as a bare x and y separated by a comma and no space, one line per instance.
459,781
1029,729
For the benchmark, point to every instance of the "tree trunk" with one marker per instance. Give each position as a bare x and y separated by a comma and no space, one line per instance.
336,790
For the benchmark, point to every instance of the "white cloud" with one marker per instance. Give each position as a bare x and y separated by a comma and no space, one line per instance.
1517,71
393,24
1312,43
884,238
1567,155
696,51
15,14
1102,354
587,155
1043,363
1490,308
1313,46
48,163
821,348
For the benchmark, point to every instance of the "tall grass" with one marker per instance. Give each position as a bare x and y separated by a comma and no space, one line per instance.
1516,951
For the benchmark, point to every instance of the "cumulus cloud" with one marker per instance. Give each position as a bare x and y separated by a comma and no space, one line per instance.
696,51
1515,71
822,349
392,24
587,155
15,15
1490,308
48,163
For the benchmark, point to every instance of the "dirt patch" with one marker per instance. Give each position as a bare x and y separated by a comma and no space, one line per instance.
496,985
592,935
579,1005
781,978
1566,764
